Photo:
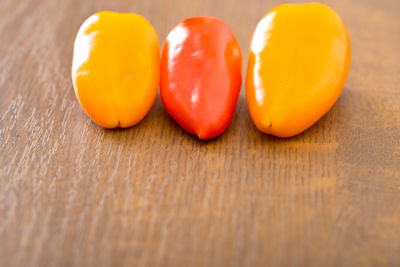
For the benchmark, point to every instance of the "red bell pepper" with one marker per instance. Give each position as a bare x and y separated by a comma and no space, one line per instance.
201,76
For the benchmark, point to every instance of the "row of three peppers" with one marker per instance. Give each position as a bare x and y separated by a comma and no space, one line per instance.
298,62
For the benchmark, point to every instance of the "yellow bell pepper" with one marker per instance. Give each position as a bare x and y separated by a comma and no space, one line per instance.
298,63
115,68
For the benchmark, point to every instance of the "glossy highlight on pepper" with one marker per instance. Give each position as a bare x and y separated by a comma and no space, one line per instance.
298,63
115,69
201,75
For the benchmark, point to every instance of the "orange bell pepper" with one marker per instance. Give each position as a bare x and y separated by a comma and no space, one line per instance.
115,69
298,63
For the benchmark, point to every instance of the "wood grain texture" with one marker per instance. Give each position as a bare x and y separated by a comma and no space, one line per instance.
74,194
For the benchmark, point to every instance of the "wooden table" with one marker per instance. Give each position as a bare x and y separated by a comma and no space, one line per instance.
74,194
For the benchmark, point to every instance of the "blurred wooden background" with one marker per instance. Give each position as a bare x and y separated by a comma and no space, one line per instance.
74,194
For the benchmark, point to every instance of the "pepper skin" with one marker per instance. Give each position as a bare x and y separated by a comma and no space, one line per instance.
201,76
298,63
116,68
